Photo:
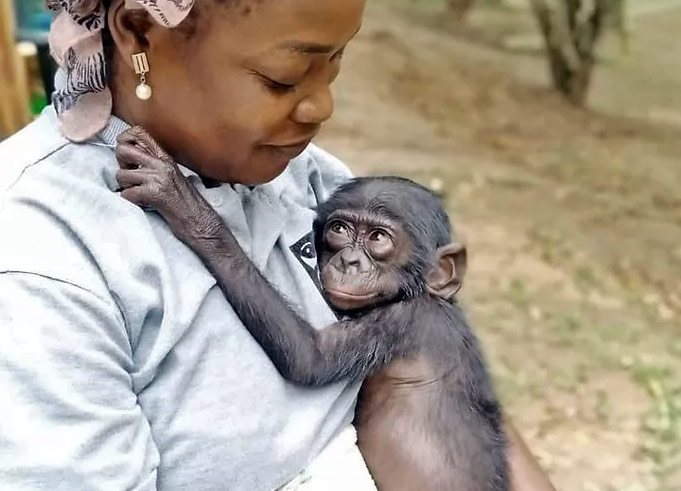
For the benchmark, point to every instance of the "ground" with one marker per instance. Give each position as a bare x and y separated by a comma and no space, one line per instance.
572,218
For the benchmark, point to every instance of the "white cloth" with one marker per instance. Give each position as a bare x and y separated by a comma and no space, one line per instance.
340,467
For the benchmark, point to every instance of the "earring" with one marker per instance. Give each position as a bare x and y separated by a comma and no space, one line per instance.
141,65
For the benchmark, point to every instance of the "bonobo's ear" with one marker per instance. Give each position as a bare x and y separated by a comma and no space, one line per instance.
446,276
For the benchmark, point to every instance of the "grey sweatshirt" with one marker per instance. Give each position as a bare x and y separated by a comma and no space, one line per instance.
122,367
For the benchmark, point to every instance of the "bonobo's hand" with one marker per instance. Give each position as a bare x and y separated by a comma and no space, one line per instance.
151,179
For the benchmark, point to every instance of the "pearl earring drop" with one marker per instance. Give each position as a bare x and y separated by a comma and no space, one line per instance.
141,65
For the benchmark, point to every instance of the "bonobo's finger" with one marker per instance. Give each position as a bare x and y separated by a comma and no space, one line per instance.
132,157
134,135
138,136
129,178
135,195
139,196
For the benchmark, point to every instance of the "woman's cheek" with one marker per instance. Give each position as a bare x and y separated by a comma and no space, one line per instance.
264,115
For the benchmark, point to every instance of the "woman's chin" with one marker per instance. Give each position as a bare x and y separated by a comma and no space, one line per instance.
264,167
263,175
260,169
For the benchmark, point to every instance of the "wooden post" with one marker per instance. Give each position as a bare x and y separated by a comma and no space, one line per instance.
14,97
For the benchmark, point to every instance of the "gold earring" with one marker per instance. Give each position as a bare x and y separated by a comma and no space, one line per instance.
141,65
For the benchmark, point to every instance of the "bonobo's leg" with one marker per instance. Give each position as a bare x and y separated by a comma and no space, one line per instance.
347,349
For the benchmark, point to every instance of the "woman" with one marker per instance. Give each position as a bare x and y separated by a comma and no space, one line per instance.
121,365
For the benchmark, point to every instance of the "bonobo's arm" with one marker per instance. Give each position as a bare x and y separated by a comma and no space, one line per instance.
347,349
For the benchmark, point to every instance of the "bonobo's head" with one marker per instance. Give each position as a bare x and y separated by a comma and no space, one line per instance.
383,239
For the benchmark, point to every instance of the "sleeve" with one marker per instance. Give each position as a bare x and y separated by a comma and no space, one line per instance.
70,419
325,174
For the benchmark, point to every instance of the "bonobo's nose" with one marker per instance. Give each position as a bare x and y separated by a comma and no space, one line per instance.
354,261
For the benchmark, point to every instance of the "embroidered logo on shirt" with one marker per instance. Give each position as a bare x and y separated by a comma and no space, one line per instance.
306,255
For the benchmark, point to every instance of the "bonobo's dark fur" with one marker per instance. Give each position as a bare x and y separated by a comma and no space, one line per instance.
419,212
428,418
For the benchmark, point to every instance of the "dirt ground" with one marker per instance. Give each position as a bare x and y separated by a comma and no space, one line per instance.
572,218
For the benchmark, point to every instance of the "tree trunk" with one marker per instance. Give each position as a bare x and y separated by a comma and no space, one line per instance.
571,29
459,8
618,21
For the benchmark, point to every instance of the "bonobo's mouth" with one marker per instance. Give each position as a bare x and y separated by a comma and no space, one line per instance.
344,300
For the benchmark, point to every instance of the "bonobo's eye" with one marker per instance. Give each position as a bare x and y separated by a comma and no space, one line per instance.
380,243
337,235
338,227
379,235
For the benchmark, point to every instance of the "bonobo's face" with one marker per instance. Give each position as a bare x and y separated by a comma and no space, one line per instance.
363,259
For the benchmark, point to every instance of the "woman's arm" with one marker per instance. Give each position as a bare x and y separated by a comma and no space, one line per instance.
70,418
526,473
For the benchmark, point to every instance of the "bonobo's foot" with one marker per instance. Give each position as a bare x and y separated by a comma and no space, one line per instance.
150,178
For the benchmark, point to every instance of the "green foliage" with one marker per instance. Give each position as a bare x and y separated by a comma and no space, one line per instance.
662,422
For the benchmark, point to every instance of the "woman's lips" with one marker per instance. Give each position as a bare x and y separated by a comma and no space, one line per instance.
293,150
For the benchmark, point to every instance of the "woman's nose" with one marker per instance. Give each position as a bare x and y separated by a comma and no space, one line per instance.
315,108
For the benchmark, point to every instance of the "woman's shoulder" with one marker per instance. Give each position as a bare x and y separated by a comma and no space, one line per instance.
31,145
57,203
39,153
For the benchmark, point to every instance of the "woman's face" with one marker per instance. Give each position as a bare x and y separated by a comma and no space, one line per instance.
248,89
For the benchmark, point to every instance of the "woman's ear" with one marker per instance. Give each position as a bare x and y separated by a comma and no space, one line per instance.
129,29
445,278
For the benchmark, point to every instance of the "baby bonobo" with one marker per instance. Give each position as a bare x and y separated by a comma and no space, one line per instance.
427,418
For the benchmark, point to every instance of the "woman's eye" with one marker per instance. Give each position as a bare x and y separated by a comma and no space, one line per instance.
273,85
339,55
279,87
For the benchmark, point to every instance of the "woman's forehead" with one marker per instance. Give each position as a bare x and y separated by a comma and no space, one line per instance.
299,27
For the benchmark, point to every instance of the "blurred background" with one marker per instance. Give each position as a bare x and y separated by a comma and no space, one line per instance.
552,130
26,69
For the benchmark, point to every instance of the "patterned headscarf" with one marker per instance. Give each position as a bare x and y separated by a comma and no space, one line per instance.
84,104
